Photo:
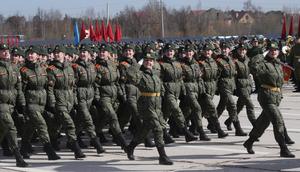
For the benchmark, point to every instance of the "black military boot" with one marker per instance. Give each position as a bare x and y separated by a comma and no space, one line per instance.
50,152
19,160
77,151
163,158
188,135
121,140
24,149
148,142
287,138
248,145
228,124
215,122
285,152
202,135
81,142
5,148
102,137
130,150
238,129
211,127
167,138
97,145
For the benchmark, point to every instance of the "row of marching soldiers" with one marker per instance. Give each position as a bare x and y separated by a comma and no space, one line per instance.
87,92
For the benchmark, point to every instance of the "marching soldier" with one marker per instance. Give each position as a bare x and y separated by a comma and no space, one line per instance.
11,95
61,97
295,58
34,82
270,76
149,106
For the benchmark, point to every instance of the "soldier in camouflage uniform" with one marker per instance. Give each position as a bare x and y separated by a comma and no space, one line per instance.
34,80
226,87
149,106
106,94
209,70
171,75
11,95
60,99
243,85
85,75
191,77
270,76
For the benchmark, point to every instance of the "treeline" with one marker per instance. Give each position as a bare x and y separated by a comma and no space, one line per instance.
146,22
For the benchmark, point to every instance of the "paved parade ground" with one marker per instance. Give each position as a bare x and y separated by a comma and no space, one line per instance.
217,155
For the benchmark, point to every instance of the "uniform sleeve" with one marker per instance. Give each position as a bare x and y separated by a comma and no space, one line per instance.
50,88
97,85
20,95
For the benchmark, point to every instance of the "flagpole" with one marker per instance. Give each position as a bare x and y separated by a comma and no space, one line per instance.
107,10
162,19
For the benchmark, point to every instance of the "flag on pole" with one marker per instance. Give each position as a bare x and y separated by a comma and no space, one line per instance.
291,31
7,41
82,31
92,32
117,33
283,30
97,32
110,32
77,37
103,31
17,41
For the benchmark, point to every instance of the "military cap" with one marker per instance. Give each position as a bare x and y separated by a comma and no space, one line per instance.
17,51
208,47
274,45
43,51
225,45
50,50
150,56
189,47
169,46
70,51
33,49
85,47
254,39
242,46
4,47
104,47
128,46
113,50
59,48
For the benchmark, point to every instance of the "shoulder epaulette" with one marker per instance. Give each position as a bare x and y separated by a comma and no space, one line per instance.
97,66
51,67
74,65
24,69
124,63
201,62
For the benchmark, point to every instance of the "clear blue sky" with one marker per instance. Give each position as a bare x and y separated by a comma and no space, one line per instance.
78,7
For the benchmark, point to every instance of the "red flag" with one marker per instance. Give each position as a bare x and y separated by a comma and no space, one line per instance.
103,31
2,39
291,31
98,33
110,32
283,30
117,33
120,32
82,31
92,33
12,41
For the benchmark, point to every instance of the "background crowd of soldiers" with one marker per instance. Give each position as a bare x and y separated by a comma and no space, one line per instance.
159,89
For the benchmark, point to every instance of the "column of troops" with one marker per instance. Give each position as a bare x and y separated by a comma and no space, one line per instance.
160,90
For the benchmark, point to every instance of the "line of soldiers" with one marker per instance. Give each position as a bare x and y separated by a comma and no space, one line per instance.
151,87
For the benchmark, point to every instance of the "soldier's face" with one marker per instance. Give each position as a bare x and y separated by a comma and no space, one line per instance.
4,54
85,55
170,53
129,53
103,55
208,53
148,63
255,43
32,57
225,51
242,52
273,53
59,56
189,54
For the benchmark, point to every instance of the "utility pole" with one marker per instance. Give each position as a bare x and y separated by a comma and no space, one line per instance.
162,19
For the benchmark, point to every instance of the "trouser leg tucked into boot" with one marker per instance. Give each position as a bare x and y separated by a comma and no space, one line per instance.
238,129
188,135
285,152
167,137
163,158
202,134
77,151
215,122
130,150
97,145
228,124
121,140
19,160
24,150
148,142
50,152
249,144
